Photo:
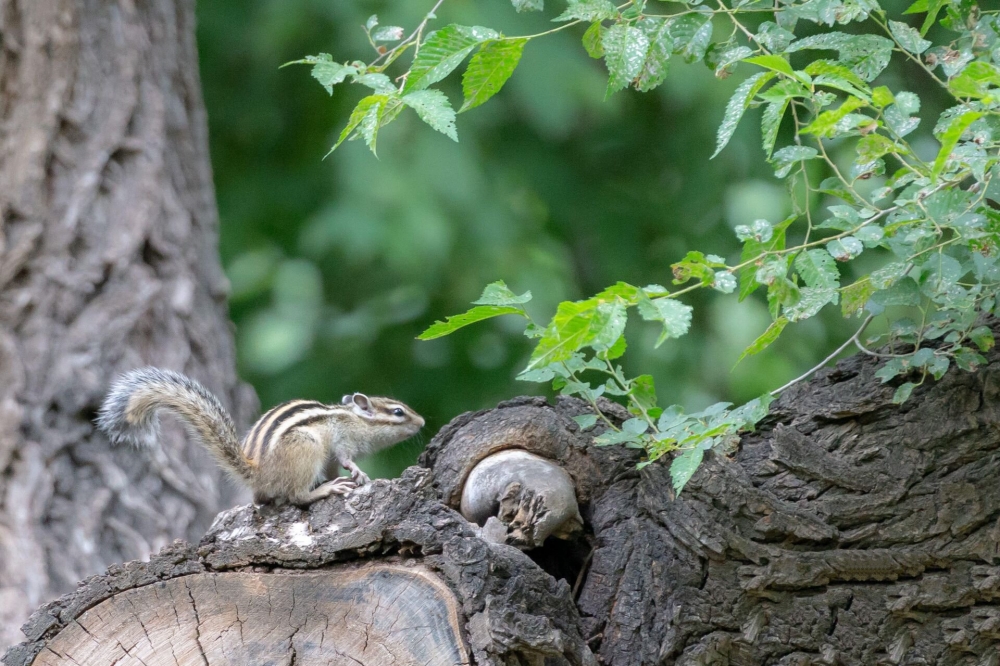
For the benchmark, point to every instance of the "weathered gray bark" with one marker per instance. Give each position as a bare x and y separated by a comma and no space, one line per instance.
387,575
846,531
107,260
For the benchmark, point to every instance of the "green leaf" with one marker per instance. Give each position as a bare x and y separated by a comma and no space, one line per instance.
528,5
388,33
950,137
497,293
692,34
903,392
434,109
578,324
818,269
476,314
325,70
874,146
644,394
784,159
654,67
675,316
854,297
770,123
592,40
774,63
882,97
811,300
683,467
983,337
825,124
625,49
765,339
908,37
826,73
442,52
585,421
489,69
588,10
364,118
379,83
865,55
737,106
975,80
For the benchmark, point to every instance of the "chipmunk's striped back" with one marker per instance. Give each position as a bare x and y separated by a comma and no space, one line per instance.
278,420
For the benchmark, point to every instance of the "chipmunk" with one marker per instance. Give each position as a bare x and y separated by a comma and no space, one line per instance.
283,455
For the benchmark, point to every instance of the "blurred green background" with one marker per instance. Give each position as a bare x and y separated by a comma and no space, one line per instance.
337,265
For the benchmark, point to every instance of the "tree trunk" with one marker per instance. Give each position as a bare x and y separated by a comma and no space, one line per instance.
108,260
846,531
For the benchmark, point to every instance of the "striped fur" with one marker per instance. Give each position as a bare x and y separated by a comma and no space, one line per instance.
129,414
283,455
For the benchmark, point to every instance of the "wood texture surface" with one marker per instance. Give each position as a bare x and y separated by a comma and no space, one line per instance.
108,260
377,614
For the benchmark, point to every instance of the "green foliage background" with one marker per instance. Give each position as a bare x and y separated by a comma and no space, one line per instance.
337,265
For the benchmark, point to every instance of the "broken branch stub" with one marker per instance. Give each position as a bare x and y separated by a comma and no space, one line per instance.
521,470
387,575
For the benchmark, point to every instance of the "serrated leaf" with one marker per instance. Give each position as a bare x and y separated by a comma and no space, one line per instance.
854,297
654,67
674,315
683,467
476,314
592,39
378,82
577,324
874,146
442,52
489,69
784,159
625,49
326,71
497,293
908,37
825,124
829,73
737,106
950,137
434,109
585,421
774,63
692,33
865,55
588,10
765,339
811,300
818,269
364,118
770,123
528,5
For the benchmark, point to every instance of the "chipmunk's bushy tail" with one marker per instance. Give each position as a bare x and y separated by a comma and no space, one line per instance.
129,414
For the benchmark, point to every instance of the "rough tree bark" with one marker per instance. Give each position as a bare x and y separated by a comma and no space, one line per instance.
107,261
846,531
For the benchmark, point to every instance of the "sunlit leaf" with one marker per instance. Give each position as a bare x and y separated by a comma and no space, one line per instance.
476,314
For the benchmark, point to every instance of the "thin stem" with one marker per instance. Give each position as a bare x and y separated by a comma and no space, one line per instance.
829,358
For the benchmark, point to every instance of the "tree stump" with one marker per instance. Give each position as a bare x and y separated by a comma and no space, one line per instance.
386,576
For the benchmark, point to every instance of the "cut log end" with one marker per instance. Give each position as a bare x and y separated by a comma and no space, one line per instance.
375,614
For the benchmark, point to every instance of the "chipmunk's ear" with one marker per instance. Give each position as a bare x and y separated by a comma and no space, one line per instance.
347,399
362,403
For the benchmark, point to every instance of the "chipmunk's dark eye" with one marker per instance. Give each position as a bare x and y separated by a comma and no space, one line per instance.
397,412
